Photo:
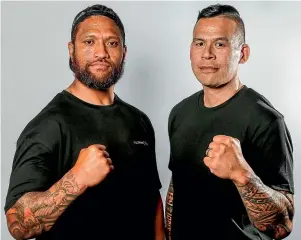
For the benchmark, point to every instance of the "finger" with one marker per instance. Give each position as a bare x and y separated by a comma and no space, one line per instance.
98,146
106,154
223,139
236,141
207,151
111,167
109,160
207,161
83,149
210,153
213,145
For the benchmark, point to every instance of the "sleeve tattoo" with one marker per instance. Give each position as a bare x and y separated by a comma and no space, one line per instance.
269,210
168,209
36,212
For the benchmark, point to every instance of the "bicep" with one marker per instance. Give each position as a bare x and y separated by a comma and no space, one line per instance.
276,153
32,171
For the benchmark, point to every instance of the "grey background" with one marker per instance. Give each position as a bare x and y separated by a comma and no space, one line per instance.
158,73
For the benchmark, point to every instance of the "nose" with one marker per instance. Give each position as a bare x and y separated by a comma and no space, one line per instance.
100,50
208,53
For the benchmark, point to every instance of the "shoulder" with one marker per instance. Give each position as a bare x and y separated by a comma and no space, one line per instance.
46,127
185,105
262,115
261,108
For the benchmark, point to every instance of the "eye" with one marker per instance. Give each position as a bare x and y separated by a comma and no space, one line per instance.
219,44
89,42
113,44
199,44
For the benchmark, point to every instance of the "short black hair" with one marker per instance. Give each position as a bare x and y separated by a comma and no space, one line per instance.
95,10
226,11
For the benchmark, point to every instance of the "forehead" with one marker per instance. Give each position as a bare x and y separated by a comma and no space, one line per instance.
216,26
99,24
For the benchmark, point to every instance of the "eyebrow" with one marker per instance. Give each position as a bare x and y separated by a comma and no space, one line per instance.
215,39
91,35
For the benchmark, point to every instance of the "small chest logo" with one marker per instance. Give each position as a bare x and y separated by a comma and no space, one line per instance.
140,143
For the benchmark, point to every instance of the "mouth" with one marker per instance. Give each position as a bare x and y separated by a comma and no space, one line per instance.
100,65
208,69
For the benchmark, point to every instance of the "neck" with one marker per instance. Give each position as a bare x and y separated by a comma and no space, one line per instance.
216,96
92,96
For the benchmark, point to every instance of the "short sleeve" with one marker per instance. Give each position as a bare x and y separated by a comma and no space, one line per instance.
31,171
275,146
151,166
170,121
154,169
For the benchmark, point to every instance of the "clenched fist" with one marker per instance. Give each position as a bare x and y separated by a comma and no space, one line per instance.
92,166
224,158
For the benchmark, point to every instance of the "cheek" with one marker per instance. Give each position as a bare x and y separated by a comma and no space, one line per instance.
84,53
87,53
116,56
195,57
224,61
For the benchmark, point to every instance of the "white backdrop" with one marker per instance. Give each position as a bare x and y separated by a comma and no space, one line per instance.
157,74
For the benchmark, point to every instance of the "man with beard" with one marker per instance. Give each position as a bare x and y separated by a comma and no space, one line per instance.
85,166
231,152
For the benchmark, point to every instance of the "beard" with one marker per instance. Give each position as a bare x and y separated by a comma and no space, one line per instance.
86,77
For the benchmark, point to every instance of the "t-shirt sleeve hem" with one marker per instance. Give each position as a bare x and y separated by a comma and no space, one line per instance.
283,187
9,204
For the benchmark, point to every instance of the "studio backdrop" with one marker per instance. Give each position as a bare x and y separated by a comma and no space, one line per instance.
157,71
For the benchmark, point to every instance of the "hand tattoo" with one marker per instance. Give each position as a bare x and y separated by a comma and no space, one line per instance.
269,210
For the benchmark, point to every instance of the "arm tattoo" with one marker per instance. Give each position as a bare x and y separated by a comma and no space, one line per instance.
168,209
269,210
36,212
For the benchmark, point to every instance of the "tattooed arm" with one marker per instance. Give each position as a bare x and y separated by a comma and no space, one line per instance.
168,210
36,212
159,220
269,210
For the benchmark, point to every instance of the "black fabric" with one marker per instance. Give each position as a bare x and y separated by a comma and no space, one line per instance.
123,205
205,206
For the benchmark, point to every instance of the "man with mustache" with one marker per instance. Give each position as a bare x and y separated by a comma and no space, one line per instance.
231,152
85,166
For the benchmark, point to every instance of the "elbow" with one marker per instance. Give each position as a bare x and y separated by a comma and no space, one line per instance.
16,226
15,231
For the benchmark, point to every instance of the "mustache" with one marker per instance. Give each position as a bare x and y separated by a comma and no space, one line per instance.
101,61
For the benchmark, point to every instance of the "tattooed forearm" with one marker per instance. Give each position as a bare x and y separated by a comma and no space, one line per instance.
168,209
269,210
36,212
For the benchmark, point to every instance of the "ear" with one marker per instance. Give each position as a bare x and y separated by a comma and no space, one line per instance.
190,50
244,53
125,49
71,50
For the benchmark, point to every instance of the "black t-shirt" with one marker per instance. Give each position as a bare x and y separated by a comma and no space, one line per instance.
122,206
208,207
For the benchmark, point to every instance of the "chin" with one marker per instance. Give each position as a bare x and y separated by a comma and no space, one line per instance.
207,81
100,77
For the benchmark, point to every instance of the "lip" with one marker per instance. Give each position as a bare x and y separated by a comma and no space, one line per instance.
208,69
102,64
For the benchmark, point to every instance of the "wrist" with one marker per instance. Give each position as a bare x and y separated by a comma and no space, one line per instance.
78,179
242,178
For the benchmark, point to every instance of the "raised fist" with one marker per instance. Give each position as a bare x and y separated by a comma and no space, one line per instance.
93,165
224,158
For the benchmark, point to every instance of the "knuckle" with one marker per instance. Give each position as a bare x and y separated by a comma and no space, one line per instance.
92,148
